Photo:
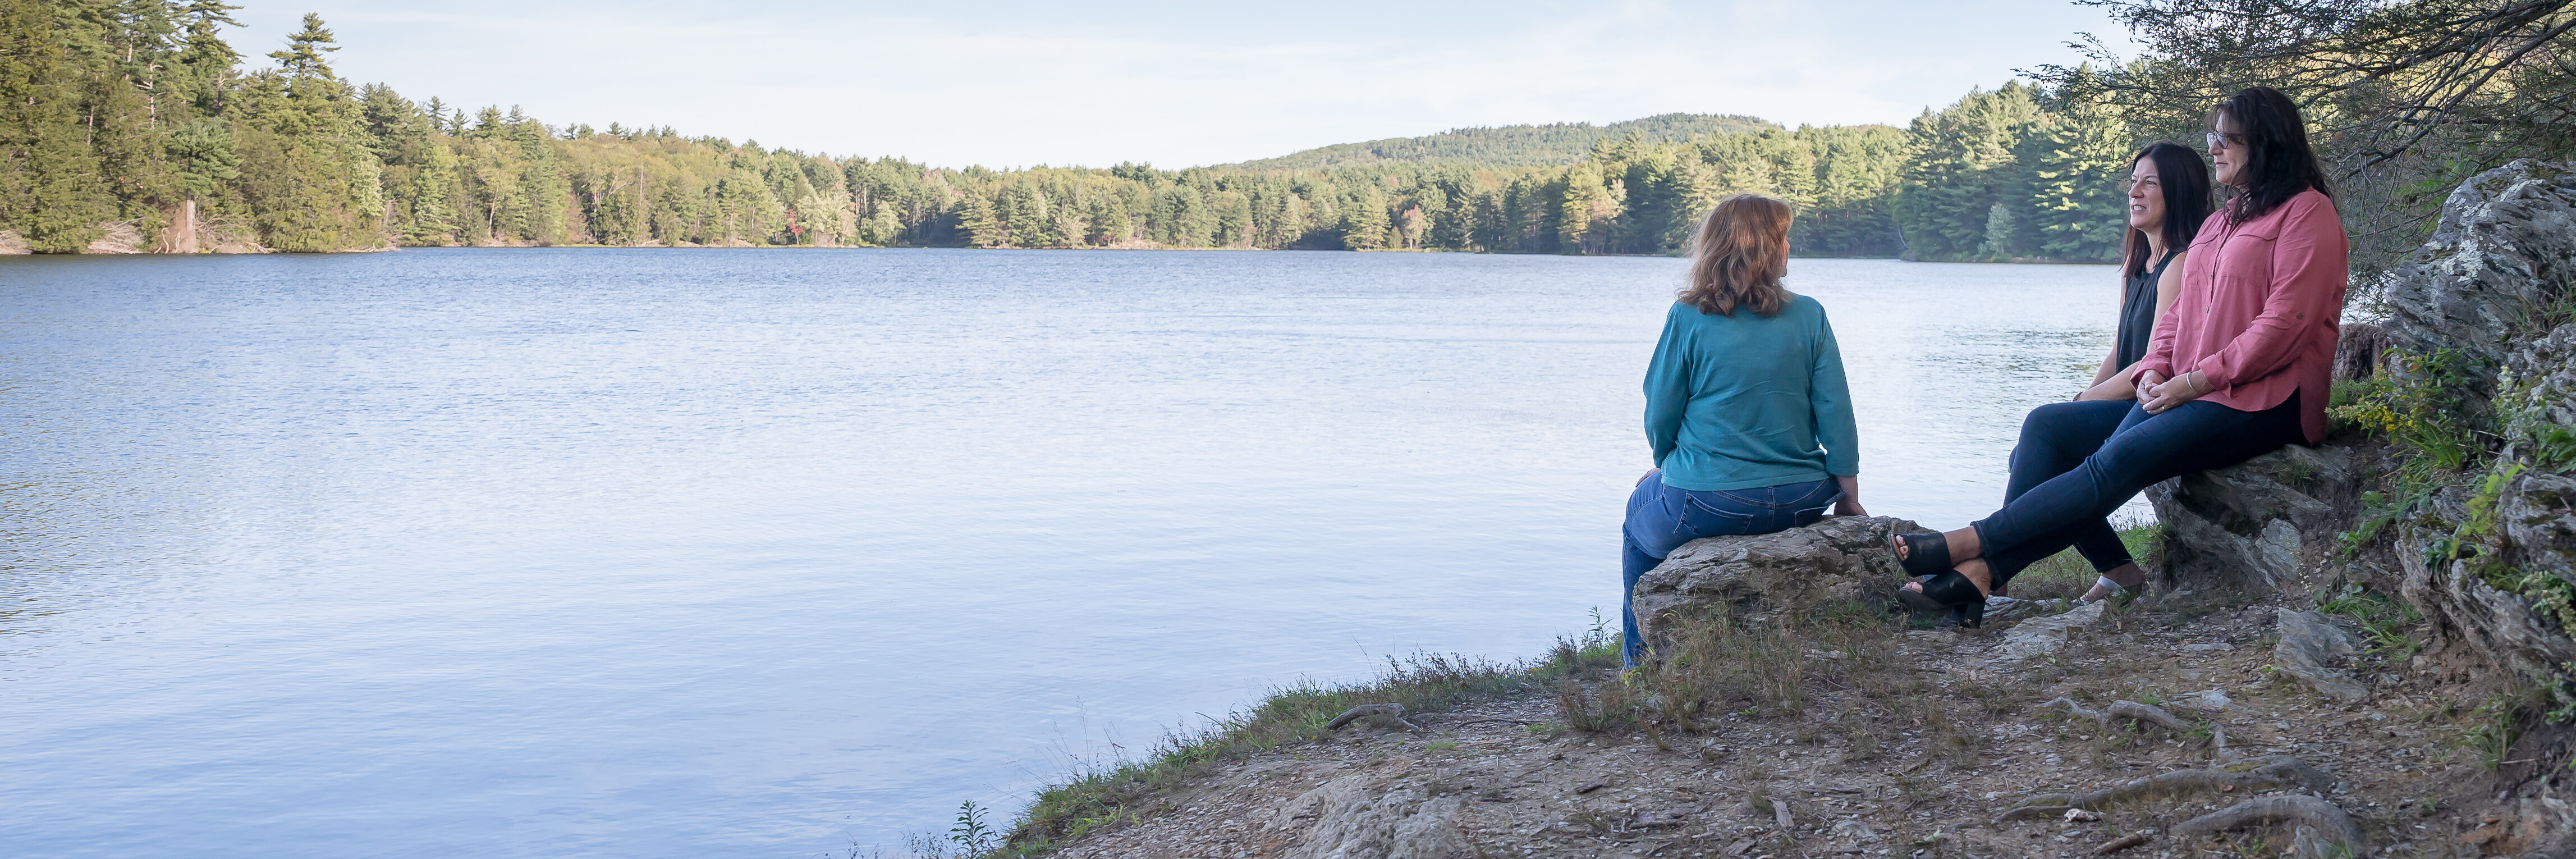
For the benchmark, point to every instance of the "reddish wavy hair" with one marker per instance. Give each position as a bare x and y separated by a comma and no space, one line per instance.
1739,257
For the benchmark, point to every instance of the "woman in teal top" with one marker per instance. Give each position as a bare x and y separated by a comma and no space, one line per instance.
1746,406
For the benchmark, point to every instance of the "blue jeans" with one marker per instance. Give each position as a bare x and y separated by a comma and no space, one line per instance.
1661,518
2070,473
2056,438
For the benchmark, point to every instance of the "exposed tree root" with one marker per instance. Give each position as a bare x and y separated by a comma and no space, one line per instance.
2319,820
1391,711
2273,771
2122,843
2122,710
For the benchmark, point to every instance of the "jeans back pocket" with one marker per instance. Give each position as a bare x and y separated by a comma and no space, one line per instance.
1702,518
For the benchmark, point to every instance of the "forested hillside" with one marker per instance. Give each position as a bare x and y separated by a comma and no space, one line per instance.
131,125
1511,145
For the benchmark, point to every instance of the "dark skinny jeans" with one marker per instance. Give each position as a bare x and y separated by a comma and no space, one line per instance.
2056,438
2074,467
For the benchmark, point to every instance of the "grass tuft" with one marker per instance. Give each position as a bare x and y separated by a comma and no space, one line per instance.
1097,798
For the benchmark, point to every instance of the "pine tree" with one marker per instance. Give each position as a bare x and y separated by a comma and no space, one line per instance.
302,56
204,67
51,190
1365,222
975,219
1959,163
2079,213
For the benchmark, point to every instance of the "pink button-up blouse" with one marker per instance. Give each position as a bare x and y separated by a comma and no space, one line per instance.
2261,304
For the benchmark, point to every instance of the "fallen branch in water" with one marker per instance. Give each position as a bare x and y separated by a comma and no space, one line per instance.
2317,819
2273,771
1391,711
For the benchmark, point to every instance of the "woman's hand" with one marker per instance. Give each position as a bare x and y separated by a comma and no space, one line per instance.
2161,397
1850,503
2114,388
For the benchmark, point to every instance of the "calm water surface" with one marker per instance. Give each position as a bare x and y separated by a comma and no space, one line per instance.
758,553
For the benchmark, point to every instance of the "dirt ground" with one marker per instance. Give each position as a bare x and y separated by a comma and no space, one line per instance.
1912,743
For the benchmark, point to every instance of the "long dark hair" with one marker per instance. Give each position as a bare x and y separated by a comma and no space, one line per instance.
2278,162
2185,183
1739,257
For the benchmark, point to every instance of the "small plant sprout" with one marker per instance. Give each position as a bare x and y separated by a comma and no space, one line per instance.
972,835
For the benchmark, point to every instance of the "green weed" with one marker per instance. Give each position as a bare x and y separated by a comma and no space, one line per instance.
2387,623
1120,792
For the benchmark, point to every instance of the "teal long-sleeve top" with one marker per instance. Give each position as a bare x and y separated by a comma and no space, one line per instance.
1738,402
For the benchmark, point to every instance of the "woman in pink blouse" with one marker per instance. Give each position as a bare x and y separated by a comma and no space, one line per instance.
2237,367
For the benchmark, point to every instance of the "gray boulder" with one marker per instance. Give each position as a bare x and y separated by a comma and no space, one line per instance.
2256,524
1842,559
2498,271
1356,817
2505,248
2043,636
2308,649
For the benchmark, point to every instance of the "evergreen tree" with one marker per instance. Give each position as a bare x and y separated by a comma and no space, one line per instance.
975,219
1365,222
204,67
114,114
54,194
2079,212
1960,162
302,59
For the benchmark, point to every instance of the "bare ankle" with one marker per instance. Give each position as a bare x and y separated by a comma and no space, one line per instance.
1980,575
1963,544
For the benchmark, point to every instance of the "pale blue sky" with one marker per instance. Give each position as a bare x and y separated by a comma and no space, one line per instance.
1021,83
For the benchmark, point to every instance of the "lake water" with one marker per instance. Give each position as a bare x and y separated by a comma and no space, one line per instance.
760,553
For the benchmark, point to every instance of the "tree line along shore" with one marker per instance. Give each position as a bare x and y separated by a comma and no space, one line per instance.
131,125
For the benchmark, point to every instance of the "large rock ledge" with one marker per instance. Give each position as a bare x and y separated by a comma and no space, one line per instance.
2258,524
2500,267
1842,559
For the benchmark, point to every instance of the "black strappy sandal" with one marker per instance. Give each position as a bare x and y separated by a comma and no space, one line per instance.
1919,605
1926,554
1954,591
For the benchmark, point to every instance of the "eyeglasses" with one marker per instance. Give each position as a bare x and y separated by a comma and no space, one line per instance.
2219,141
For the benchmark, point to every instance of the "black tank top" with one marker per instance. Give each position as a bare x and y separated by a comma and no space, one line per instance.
2138,314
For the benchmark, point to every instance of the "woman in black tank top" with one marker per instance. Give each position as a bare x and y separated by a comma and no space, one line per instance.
2141,301
2168,191
2169,196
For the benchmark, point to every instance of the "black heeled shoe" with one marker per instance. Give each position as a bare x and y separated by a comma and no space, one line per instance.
1953,590
1925,554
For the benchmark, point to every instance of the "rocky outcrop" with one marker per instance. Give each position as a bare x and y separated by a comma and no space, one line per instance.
1838,560
2046,635
2492,561
2503,254
1356,817
118,237
2254,525
2309,647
